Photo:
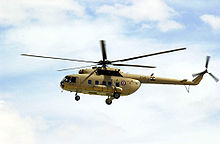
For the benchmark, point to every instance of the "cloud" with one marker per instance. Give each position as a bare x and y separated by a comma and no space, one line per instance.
169,25
140,10
145,10
13,12
212,20
153,114
15,129
66,40
145,26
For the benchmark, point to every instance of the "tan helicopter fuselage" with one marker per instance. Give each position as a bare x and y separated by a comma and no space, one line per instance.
101,85
107,84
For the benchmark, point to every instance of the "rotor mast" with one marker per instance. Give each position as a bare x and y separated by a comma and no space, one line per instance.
104,60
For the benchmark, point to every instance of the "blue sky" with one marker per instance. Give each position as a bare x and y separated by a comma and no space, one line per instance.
32,108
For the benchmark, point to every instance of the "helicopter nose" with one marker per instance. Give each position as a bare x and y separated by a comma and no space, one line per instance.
62,84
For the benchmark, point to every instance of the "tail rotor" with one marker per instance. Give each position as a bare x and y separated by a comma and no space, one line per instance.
206,70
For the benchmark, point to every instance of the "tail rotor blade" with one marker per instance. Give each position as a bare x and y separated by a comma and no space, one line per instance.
214,77
196,74
207,61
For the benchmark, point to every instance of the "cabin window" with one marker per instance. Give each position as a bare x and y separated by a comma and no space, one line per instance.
96,82
73,79
109,83
104,83
89,81
117,84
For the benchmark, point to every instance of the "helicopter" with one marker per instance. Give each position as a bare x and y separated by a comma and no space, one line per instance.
103,80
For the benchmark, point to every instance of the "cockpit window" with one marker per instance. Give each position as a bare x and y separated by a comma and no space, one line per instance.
70,79
73,80
67,78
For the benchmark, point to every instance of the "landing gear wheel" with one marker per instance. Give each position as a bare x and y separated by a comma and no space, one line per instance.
77,98
116,95
108,101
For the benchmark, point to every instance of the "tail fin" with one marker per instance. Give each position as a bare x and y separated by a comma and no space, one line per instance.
198,78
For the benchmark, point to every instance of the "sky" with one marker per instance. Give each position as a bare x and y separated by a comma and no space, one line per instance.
33,110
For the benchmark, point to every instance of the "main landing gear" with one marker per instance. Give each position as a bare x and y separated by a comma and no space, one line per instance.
77,98
116,95
108,101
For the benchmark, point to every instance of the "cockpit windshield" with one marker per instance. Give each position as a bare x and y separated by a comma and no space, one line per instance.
66,79
69,79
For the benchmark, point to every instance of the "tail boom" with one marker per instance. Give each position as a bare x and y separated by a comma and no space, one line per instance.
159,80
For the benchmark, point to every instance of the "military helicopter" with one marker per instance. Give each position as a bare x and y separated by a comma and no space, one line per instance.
112,82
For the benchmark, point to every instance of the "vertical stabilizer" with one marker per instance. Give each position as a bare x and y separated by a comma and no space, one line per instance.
198,79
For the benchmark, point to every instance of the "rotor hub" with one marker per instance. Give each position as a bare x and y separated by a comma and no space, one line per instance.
104,63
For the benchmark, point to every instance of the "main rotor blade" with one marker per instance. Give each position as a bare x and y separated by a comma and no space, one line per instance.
207,61
104,56
158,53
74,68
66,59
142,66
214,77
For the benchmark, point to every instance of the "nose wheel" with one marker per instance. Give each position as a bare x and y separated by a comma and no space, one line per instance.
77,98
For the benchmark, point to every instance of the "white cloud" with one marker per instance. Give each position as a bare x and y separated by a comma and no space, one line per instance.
145,10
154,114
14,129
66,40
145,26
13,12
169,25
212,20
141,10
